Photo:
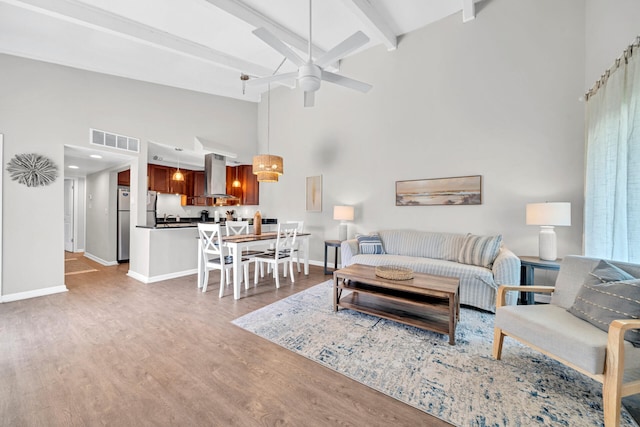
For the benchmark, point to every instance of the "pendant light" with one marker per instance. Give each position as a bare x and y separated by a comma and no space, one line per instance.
236,183
268,167
177,175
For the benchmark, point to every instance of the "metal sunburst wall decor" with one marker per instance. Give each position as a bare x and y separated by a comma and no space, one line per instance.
32,170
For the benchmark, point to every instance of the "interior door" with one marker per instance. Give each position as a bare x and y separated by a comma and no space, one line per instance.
68,215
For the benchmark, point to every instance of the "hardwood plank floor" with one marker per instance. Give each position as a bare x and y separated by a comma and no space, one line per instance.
114,351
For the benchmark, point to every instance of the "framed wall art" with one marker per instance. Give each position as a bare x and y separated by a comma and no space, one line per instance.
314,193
459,190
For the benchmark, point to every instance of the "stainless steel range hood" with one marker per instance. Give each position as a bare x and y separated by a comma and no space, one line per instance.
215,176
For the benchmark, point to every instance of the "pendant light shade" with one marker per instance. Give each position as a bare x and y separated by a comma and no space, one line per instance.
177,175
236,183
267,167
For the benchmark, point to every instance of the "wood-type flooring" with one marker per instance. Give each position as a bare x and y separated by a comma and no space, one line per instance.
114,351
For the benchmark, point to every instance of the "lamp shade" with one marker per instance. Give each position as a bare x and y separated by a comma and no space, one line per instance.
555,213
343,213
267,167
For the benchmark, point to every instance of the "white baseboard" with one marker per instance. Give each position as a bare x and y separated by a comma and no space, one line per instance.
152,279
100,260
33,294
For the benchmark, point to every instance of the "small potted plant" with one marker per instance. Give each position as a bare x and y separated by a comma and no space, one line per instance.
230,215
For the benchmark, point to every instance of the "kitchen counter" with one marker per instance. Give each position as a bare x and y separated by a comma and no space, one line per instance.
193,223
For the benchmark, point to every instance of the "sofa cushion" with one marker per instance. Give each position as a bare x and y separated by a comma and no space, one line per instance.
556,331
423,244
370,244
480,250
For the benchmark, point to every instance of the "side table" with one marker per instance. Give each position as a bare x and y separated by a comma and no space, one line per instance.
333,244
528,266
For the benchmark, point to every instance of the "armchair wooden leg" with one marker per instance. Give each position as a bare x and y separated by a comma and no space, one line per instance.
613,375
498,338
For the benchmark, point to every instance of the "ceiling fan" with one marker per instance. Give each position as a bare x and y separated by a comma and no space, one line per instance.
310,73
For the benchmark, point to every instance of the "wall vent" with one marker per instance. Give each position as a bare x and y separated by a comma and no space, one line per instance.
113,140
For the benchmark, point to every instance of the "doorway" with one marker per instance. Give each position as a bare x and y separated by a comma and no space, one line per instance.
69,215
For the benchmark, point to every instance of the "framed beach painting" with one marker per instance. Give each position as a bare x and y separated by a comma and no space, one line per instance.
314,193
459,190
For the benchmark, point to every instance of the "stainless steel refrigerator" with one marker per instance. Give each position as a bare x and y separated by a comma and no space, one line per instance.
124,219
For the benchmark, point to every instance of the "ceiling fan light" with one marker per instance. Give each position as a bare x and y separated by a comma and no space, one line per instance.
309,83
309,76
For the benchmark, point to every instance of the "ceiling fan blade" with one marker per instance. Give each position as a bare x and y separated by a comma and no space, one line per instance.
346,82
275,43
350,44
287,79
309,99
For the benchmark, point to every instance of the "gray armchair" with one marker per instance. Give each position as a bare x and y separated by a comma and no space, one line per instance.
558,331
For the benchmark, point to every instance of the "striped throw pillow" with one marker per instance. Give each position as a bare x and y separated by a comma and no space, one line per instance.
370,244
609,294
480,250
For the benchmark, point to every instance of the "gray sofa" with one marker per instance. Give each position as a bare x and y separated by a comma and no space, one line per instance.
439,254
554,330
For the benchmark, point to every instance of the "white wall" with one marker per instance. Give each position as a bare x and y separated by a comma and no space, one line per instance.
45,106
611,25
101,218
496,97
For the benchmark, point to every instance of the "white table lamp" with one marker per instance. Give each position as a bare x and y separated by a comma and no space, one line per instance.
343,214
547,216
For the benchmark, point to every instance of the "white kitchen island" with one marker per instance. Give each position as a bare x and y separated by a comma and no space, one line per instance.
166,252
163,253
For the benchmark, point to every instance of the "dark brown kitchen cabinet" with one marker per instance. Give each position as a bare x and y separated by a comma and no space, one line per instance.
197,197
249,191
124,178
160,179
250,186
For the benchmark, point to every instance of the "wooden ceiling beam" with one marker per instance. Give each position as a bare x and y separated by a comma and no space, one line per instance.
468,10
374,21
251,16
107,22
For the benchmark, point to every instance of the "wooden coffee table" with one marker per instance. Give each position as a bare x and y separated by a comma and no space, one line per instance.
426,301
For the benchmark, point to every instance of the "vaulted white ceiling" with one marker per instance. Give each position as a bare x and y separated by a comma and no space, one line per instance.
201,45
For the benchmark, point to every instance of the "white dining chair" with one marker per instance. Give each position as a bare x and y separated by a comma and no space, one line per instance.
285,241
296,250
213,256
234,228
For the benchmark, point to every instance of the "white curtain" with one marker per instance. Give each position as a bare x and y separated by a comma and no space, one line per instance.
612,181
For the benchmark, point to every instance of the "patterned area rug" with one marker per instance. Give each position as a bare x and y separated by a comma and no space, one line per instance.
460,384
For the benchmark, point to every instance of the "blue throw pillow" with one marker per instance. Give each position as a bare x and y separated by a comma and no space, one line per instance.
370,244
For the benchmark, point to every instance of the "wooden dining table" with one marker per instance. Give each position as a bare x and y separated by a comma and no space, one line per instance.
238,243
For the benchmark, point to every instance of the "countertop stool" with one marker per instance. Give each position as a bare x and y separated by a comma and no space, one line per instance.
333,244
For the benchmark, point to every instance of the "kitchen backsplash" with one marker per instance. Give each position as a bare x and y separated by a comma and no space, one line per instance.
169,204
